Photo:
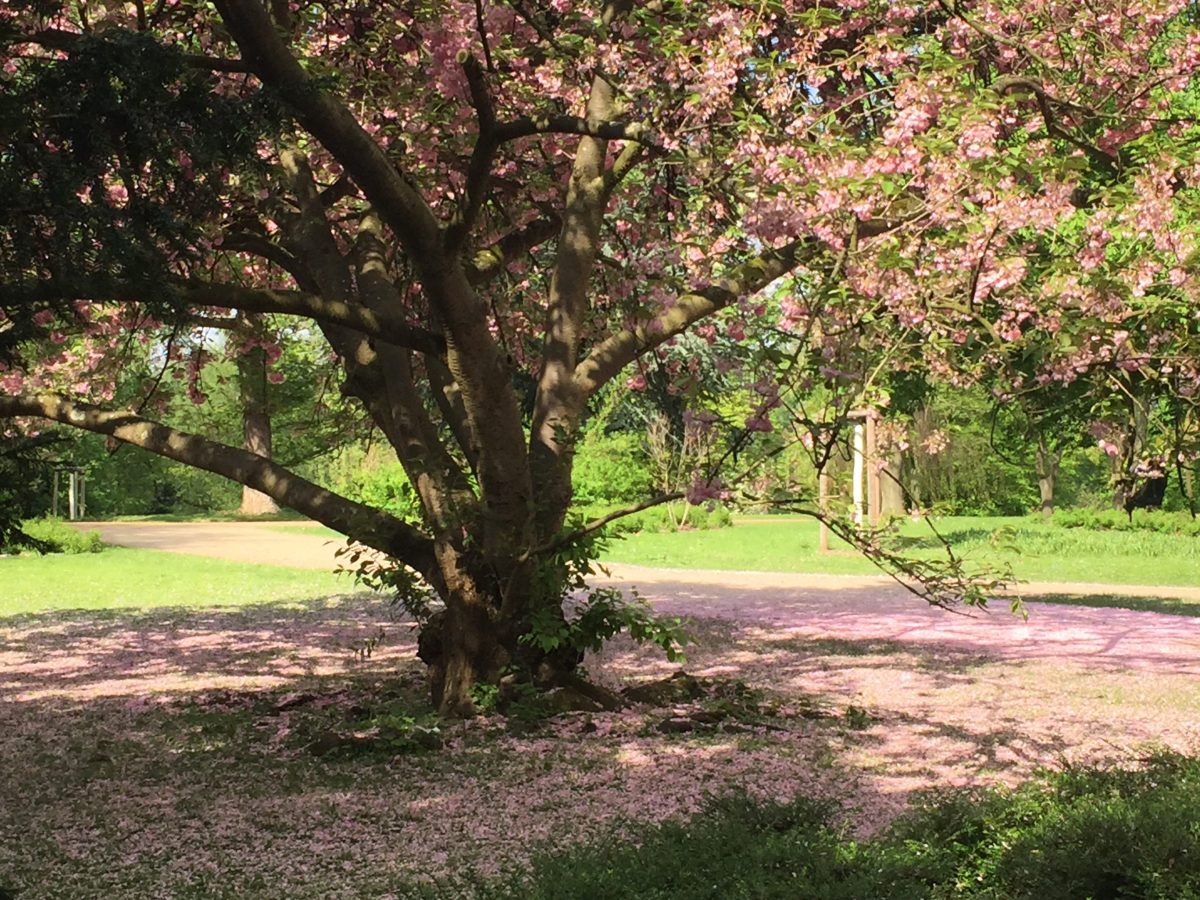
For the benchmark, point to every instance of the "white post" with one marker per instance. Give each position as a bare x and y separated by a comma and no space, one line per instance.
858,473
73,497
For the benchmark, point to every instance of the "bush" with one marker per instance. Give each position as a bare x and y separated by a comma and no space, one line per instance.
674,517
385,487
55,536
1155,520
611,470
1082,833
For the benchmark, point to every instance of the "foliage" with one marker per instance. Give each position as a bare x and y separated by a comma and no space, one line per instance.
121,145
1155,520
603,614
56,536
24,463
398,583
610,470
1076,835
384,487
674,516
121,481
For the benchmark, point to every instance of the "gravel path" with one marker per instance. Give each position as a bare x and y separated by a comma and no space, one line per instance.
877,609
851,607
251,542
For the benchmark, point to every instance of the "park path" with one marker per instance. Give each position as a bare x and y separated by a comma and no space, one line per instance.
248,542
862,607
873,608
286,544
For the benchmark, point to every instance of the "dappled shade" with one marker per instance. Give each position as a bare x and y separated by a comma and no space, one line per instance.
171,740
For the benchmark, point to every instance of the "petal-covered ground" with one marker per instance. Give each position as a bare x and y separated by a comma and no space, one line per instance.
182,753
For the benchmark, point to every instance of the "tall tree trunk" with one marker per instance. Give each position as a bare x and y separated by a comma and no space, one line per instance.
256,425
476,639
1047,474
891,488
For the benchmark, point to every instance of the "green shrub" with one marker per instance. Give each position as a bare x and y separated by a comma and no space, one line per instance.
674,517
611,470
385,487
1155,520
55,536
1081,834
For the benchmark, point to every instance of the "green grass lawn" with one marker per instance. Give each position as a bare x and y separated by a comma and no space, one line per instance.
120,578
124,578
1036,550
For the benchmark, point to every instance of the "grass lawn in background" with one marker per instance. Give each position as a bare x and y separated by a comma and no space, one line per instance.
1036,550
120,578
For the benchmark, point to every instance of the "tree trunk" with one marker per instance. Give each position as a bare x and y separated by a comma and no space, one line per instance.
891,488
476,638
256,425
1047,474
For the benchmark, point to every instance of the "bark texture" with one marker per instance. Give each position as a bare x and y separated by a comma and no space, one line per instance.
1047,474
256,426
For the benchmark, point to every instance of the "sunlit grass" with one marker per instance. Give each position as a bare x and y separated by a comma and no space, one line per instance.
120,578
1036,550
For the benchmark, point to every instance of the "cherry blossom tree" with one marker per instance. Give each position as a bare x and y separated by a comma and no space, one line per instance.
493,209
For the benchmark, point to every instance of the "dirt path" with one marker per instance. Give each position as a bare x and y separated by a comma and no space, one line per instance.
250,542
263,543
851,607
876,609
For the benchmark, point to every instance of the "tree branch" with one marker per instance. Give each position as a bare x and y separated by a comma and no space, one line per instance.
611,355
364,524
57,39
1011,83
607,131
479,169
259,246
489,262
596,524
630,155
376,324
474,359
401,205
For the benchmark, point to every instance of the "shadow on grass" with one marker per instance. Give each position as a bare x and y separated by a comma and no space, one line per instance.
179,788
78,656
957,538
